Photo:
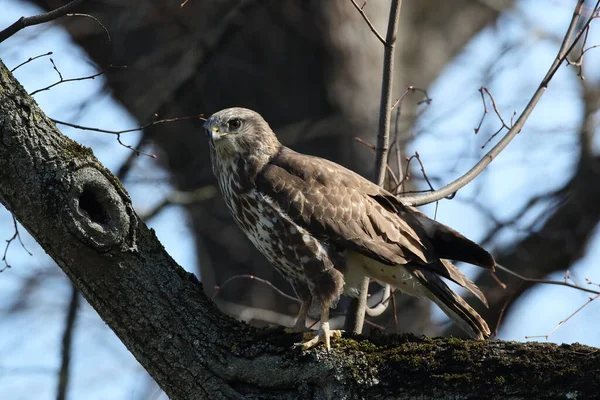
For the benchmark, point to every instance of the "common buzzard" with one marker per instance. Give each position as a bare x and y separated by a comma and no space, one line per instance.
325,227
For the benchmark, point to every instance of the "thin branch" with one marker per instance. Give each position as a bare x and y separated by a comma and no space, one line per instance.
246,276
181,198
398,152
547,281
95,19
62,80
15,236
564,321
356,312
24,22
30,60
67,348
127,165
383,134
135,149
372,147
369,23
139,128
565,49
505,305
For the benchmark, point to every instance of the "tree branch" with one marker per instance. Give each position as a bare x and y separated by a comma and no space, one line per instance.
67,340
565,49
24,22
83,218
357,308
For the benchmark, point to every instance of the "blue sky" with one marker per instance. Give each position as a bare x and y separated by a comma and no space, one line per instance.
540,158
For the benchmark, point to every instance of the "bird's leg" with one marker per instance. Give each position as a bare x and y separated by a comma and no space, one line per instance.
324,334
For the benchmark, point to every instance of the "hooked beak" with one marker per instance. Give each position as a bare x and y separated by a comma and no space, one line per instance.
214,132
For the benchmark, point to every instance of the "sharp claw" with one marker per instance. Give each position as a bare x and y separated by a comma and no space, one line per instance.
322,336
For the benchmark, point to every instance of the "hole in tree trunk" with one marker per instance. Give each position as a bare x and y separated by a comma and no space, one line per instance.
89,203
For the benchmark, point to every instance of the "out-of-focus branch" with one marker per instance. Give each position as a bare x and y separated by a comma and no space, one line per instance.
180,198
356,311
382,305
562,238
24,22
67,341
566,47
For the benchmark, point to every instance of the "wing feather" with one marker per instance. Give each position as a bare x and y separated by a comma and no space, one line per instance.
338,205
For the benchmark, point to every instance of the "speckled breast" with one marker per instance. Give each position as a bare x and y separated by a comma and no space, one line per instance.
290,248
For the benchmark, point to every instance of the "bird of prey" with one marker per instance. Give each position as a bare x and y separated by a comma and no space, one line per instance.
326,228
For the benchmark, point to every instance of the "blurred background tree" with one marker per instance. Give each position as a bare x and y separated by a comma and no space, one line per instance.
313,70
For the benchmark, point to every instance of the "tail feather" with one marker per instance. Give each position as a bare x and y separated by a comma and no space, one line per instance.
453,305
448,243
461,279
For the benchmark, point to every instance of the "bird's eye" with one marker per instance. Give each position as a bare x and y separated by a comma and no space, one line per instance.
235,124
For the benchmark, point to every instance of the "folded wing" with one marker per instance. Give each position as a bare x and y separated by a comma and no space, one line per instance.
338,205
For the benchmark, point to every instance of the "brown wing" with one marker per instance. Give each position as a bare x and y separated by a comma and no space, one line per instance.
339,205
332,205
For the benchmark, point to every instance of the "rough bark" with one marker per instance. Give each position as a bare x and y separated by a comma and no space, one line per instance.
82,216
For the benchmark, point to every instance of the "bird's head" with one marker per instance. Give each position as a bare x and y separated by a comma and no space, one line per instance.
235,132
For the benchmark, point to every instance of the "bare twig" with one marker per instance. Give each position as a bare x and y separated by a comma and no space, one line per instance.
547,281
564,282
127,165
398,105
412,89
15,236
139,128
62,80
24,22
67,340
135,150
118,133
503,309
181,198
497,111
369,23
565,49
383,134
561,323
400,180
372,147
356,311
30,59
95,19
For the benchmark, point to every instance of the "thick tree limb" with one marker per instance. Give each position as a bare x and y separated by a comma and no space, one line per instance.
83,218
